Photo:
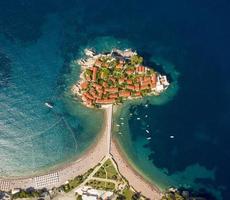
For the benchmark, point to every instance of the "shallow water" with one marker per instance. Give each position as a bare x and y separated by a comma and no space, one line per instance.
38,43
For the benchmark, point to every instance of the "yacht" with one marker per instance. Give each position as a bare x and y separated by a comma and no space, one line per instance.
49,105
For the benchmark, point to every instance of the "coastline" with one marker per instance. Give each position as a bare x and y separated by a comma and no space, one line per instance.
66,171
105,146
135,178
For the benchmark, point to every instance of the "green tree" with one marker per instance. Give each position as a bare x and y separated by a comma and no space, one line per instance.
136,60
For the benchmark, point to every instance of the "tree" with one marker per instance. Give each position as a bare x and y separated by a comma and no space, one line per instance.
136,60
136,196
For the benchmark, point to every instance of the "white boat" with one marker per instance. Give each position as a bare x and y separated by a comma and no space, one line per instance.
148,138
121,118
120,133
131,114
138,118
122,123
146,105
172,136
48,105
118,125
146,116
147,131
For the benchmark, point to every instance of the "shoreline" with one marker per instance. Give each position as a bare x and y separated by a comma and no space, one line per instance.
76,166
135,178
104,146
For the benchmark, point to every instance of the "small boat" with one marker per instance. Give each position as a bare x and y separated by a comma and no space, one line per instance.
138,118
147,125
148,138
122,123
147,131
49,105
172,136
146,105
118,125
131,114
146,116
120,133
121,118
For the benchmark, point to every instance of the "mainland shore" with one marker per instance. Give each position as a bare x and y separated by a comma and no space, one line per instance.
105,146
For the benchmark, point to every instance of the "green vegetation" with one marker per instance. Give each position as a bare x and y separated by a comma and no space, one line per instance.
101,173
128,193
107,171
103,185
27,194
136,60
173,196
73,183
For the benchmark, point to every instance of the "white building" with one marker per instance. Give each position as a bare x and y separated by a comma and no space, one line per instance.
89,193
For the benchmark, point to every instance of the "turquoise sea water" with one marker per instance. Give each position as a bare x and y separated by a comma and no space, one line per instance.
38,43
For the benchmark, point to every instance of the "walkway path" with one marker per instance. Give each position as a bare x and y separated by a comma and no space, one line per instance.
105,148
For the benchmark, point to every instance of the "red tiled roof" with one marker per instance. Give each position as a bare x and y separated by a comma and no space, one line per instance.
84,85
105,101
130,87
105,64
154,78
113,96
144,87
94,73
87,95
124,93
121,80
97,86
113,89
146,82
129,72
137,94
98,63
140,69
119,66
129,81
105,84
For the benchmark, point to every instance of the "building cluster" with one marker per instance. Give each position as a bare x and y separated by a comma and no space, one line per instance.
106,83
88,193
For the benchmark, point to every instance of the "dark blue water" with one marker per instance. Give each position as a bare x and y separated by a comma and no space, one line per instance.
193,36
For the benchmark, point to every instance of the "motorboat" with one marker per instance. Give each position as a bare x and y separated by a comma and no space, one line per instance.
49,105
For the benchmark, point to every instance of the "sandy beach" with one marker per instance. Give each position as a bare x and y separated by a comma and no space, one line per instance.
135,179
65,172
105,146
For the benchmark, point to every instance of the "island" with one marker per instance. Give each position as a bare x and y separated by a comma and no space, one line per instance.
113,77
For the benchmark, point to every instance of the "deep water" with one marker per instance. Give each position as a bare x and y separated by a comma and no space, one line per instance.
39,40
